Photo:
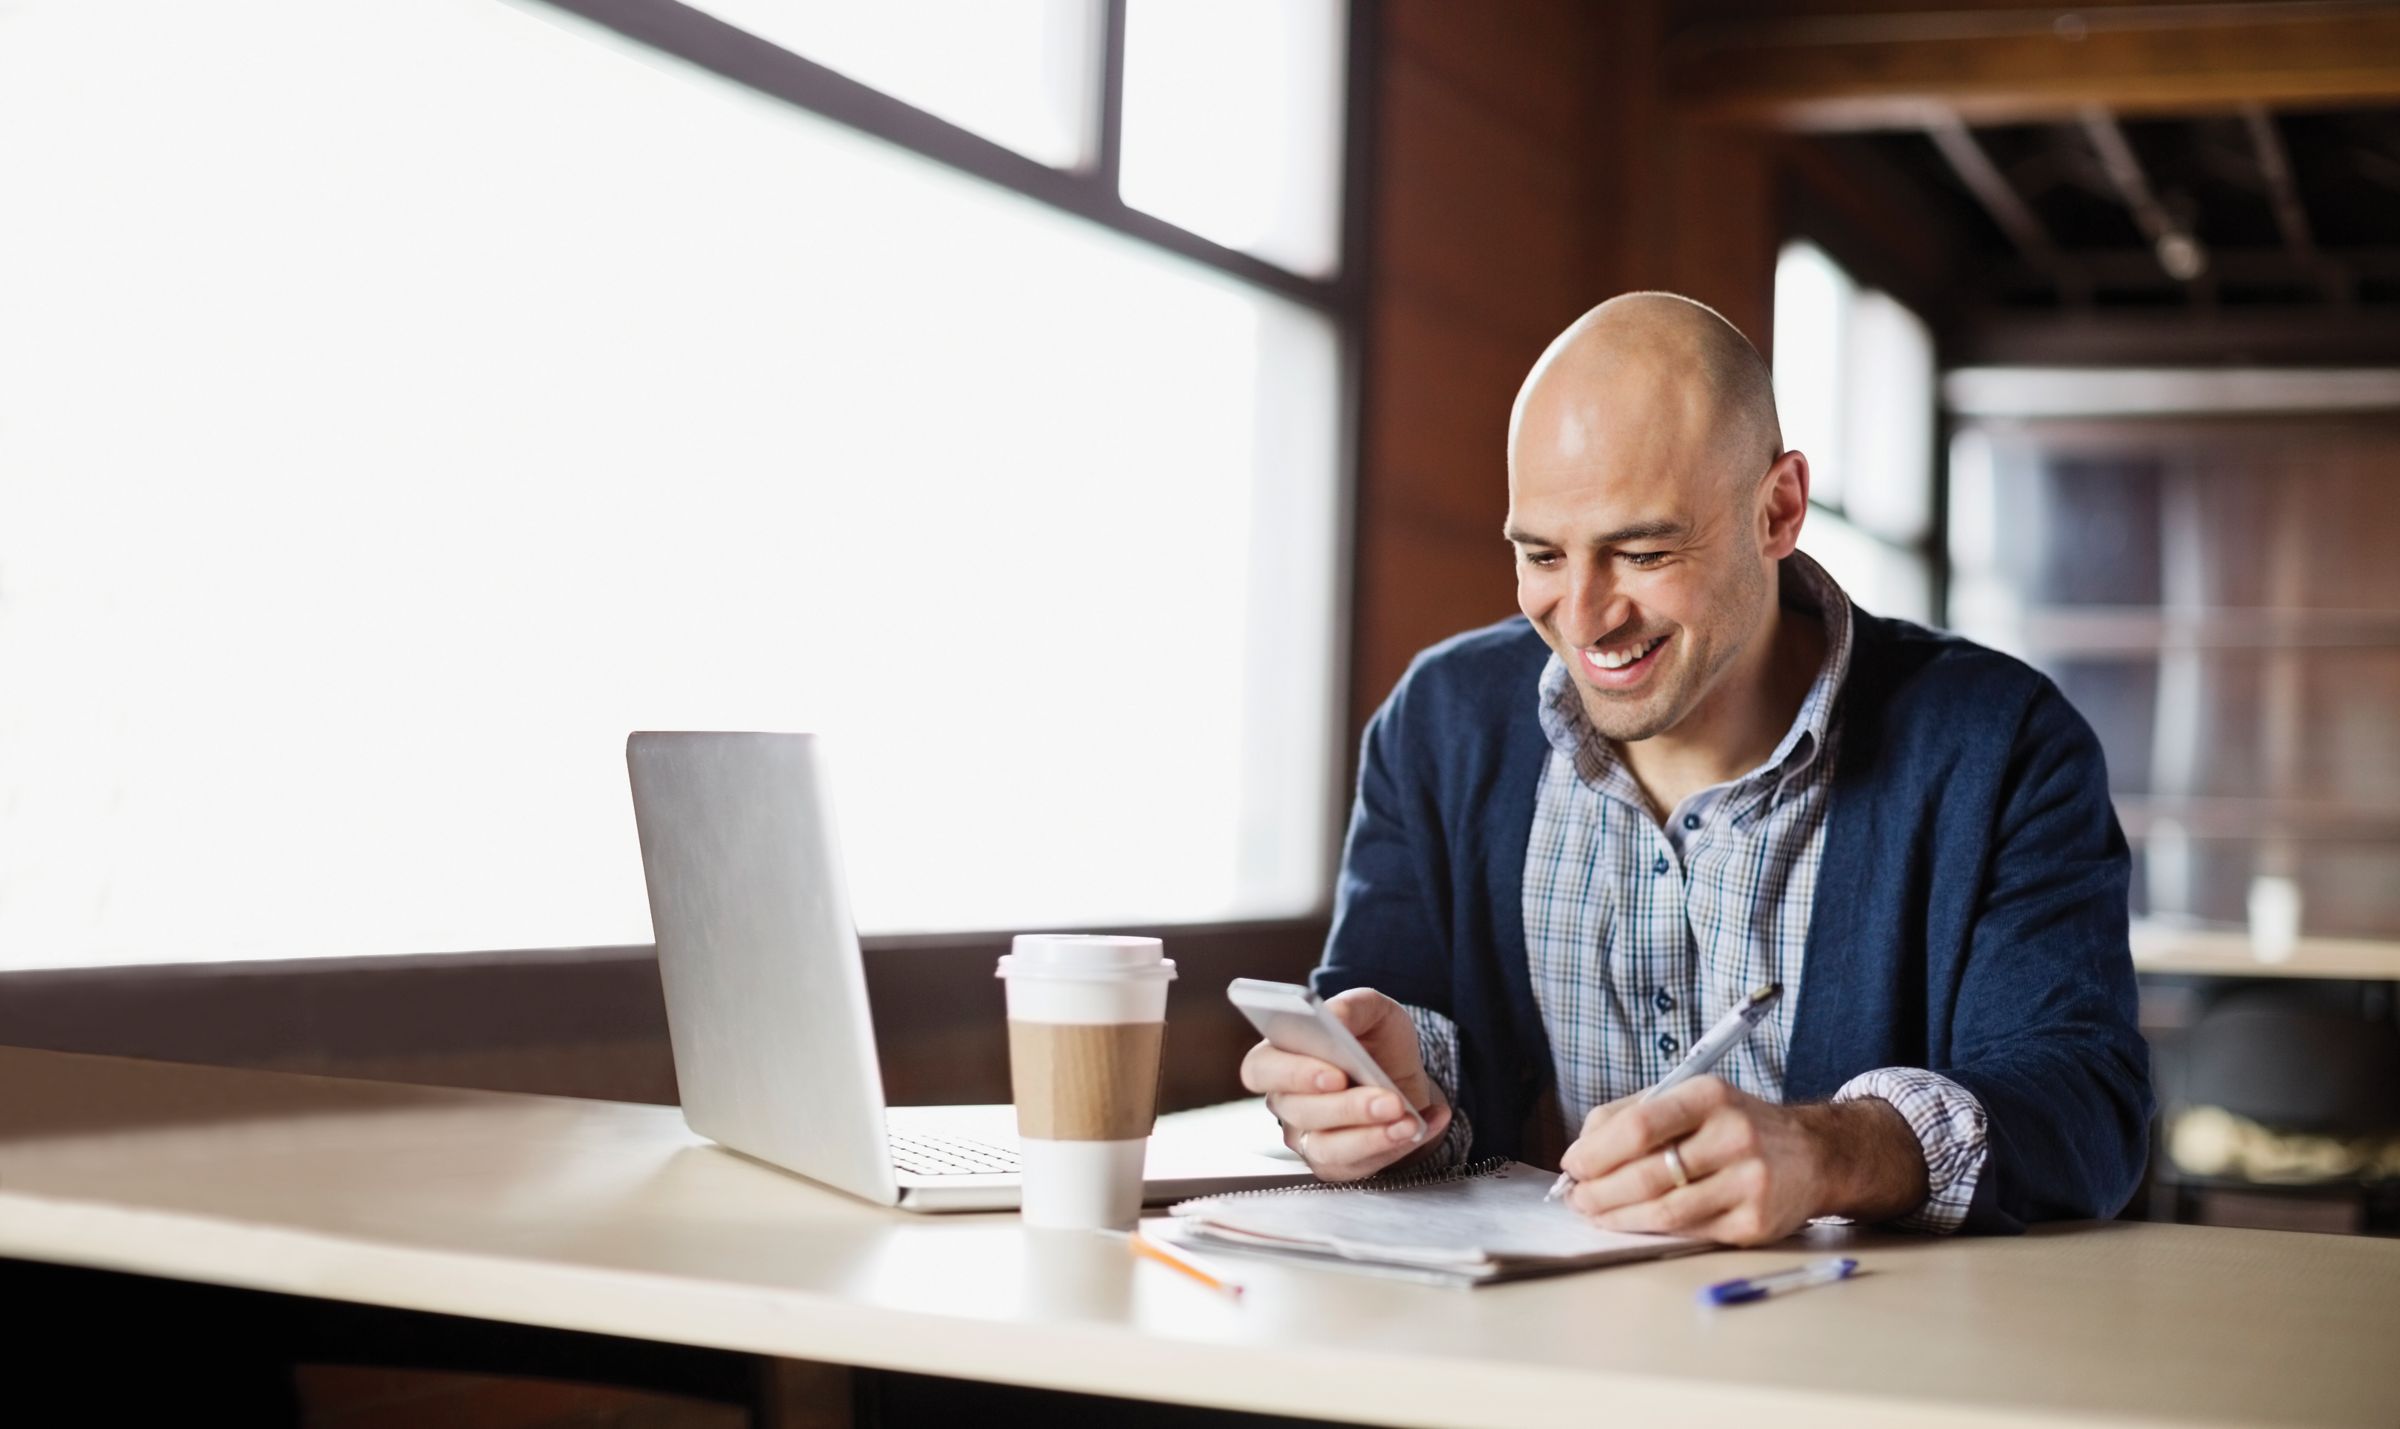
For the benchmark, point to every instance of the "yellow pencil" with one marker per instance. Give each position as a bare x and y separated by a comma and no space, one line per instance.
1170,1256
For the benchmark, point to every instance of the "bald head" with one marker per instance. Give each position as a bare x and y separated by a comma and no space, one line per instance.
1649,500
1664,363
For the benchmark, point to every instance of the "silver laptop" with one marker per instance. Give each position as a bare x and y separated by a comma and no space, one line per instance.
767,996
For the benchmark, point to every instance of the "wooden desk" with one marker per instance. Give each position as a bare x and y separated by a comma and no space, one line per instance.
2216,953
613,1218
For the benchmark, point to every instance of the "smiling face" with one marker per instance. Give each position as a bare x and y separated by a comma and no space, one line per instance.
1647,511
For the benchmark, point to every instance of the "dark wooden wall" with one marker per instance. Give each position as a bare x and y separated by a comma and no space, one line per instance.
1526,168
1482,249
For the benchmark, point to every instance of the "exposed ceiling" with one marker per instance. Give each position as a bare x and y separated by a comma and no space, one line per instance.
2113,181
2249,210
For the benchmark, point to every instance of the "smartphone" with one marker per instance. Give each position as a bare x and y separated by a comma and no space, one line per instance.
1295,1019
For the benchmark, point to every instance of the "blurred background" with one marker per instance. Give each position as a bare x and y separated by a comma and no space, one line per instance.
1082,410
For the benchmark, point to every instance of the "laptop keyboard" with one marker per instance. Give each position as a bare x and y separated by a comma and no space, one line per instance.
950,1156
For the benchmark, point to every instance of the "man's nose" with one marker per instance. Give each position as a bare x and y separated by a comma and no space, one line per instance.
1594,605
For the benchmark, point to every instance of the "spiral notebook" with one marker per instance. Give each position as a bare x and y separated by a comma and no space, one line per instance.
1474,1225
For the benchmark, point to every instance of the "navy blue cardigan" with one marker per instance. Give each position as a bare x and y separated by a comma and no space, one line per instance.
1970,910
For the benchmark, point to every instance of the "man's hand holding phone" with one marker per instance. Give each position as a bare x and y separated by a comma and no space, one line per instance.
1344,1130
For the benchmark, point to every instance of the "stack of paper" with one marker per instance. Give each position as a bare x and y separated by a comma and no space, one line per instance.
1475,1226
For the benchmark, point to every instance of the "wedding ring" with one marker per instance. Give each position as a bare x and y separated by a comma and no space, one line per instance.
1675,1169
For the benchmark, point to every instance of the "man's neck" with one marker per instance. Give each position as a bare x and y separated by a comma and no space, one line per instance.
1742,721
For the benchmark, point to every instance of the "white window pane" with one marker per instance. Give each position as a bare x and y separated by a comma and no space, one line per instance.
1882,579
1984,603
1233,123
372,466
1974,534
1812,313
1023,73
1888,434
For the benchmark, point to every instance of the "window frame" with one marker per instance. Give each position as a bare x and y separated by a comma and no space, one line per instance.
1090,193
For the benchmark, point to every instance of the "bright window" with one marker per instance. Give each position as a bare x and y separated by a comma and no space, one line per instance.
409,399
1233,123
1812,312
1018,72
1886,579
1854,386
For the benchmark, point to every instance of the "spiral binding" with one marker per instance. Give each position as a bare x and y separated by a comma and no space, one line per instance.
1489,1166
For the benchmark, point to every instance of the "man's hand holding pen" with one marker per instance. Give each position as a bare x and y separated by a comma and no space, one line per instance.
1707,1159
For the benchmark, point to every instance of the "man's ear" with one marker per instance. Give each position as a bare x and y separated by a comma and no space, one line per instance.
1783,505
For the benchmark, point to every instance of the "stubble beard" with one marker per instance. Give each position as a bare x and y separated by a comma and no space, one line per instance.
1653,713
1679,687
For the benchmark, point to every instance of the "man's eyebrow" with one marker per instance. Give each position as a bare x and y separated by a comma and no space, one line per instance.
1658,530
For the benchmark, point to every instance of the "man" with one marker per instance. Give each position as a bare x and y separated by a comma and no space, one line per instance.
1693,769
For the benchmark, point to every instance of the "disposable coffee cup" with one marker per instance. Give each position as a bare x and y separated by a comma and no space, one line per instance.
1087,1016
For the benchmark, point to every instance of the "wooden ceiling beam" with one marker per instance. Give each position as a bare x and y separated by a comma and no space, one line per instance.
2178,250
1889,70
2291,216
1983,179
2311,335
2134,269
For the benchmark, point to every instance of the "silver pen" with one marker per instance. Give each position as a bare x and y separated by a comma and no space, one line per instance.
1730,1032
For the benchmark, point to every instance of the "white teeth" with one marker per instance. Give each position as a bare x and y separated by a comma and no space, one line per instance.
1619,659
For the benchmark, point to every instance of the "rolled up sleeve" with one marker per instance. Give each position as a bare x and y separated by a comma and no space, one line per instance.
1437,1047
1950,1128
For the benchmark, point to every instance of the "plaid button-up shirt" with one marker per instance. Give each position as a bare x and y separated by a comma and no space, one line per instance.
1641,935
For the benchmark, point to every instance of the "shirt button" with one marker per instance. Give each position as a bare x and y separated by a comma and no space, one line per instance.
1662,1001
1667,1043
1691,821
1660,866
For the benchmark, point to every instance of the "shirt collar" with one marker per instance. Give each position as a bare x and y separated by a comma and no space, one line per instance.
1804,585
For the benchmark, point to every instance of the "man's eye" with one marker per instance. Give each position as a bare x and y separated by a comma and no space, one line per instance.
1642,559
1538,558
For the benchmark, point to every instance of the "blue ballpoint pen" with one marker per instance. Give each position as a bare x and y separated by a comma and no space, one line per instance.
1705,1054
1759,1287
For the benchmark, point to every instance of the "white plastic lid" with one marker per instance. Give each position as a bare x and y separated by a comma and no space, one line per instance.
1086,955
